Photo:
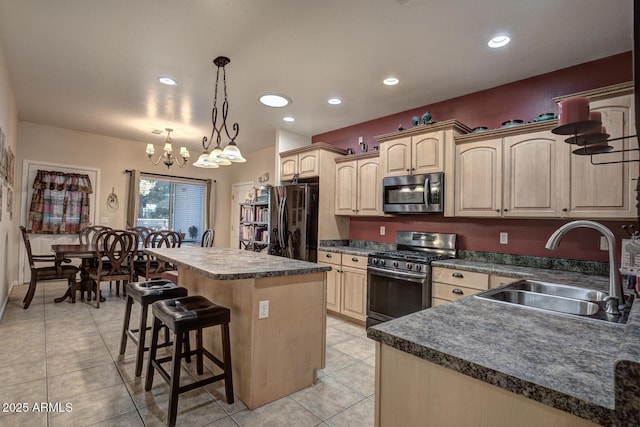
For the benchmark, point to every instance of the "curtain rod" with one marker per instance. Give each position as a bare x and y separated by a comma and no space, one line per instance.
170,176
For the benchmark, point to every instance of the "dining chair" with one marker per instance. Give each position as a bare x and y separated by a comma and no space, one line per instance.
87,236
48,272
208,237
142,233
115,251
153,267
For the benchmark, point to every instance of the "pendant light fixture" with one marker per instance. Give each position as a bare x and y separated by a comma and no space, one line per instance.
167,157
231,153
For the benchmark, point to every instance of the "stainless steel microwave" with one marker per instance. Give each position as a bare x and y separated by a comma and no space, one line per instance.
413,194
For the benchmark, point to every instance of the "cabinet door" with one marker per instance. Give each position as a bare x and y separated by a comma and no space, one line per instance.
395,157
308,164
333,288
427,153
346,188
369,192
354,293
606,190
288,167
478,184
532,175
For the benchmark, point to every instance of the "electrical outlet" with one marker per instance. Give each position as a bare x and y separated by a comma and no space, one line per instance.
504,238
604,246
383,230
263,309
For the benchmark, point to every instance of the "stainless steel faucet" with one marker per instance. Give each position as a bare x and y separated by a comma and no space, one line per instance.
616,293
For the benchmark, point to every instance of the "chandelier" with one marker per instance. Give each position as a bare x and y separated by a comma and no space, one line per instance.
231,153
167,156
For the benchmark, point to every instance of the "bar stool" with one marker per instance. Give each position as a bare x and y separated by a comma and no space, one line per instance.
145,294
182,315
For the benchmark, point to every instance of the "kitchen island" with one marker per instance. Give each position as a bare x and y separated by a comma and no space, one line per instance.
278,316
481,363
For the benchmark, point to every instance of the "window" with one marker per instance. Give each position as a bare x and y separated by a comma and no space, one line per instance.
172,203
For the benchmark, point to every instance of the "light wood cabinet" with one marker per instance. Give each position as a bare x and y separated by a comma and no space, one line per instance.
346,284
411,391
304,164
358,186
412,155
605,190
449,284
519,175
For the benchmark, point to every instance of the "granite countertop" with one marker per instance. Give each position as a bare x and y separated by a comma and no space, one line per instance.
234,264
578,366
351,250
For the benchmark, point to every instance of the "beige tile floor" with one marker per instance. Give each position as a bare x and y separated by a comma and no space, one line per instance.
67,354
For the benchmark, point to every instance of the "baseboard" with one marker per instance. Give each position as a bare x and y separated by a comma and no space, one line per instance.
6,300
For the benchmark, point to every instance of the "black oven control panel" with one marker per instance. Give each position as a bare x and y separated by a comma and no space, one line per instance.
398,265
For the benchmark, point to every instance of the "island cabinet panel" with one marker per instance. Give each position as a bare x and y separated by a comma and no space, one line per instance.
478,182
411,391
274,356
606,190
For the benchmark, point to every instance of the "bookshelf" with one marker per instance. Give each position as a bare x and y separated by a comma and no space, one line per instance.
254,231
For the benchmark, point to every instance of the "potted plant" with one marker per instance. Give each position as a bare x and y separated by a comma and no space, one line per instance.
193,232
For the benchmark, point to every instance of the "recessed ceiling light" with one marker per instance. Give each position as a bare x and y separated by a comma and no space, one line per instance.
275,100
334,101
391,81
167,81
289,119
499,41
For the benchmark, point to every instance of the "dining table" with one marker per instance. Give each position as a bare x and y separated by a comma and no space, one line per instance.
86,253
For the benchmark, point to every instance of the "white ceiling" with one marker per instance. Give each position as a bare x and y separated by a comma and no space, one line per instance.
92,65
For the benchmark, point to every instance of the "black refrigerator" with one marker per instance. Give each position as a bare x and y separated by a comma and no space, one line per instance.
294,221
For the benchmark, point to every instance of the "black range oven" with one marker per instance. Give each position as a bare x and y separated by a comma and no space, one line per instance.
399,282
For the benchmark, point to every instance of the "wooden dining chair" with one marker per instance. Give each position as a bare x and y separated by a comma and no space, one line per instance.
153,267
49,272
208,237
115,251
87,236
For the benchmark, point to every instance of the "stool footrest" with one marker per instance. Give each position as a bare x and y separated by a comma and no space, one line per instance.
200,383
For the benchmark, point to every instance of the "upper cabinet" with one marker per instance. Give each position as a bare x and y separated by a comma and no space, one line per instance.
600,189
418,150
304,164
358,190
528,171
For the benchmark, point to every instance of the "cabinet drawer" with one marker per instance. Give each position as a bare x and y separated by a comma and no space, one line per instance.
468,279
451,292
496,281
329,257
354,261
437,301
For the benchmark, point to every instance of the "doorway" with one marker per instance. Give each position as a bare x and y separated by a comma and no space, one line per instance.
239,193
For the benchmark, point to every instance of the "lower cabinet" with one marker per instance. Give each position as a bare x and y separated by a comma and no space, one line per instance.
346,284
449,284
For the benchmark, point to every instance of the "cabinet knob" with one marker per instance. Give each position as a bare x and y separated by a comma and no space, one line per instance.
354,259
457,291
506,210
457,275
408,170
329,256
497,210
565,210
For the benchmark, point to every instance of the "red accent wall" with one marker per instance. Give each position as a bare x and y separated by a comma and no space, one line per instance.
524,99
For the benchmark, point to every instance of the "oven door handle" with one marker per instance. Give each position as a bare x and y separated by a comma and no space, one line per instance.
427,192
416,277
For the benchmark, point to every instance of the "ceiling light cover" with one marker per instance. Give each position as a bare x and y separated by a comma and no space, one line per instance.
167,81
275,100
289,119
334,101
391,81
499,41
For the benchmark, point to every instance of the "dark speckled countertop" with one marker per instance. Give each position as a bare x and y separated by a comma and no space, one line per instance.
585,367
234,264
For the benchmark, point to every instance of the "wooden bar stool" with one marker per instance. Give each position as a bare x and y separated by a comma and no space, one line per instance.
182,315
145,294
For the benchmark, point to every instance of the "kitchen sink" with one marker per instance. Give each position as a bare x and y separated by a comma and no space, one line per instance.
561,299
